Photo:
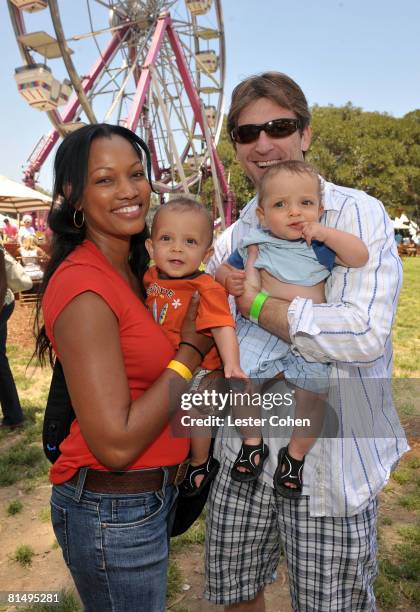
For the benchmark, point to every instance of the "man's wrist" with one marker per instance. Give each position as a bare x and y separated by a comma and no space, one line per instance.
257,305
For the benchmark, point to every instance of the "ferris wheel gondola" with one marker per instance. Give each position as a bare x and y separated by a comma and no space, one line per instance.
156,66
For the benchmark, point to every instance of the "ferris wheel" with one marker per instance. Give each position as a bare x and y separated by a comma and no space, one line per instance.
155,66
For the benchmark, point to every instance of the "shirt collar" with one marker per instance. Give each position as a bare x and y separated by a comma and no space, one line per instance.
247,214
330,201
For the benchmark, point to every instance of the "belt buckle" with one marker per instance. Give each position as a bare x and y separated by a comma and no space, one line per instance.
181,472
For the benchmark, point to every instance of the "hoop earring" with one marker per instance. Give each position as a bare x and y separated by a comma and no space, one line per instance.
78,225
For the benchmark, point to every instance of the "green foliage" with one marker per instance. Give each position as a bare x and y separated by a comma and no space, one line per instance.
24,555
371,151
14,507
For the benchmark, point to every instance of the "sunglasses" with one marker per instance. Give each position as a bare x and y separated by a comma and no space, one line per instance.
277,128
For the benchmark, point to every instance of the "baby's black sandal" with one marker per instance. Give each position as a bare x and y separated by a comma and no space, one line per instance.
209,470
288,471
246,459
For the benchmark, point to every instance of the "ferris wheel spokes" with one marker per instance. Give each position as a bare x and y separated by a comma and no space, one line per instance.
159,74
173,147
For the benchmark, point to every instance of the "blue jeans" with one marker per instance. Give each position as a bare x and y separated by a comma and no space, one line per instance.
115,545
9,399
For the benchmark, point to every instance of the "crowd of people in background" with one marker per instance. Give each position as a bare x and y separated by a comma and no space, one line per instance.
408,244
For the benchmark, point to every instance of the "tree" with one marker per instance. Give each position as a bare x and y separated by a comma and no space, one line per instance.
372,151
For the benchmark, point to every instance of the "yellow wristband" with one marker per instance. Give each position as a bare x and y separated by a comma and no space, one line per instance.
180,369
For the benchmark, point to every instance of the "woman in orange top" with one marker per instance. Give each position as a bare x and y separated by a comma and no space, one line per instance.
114,483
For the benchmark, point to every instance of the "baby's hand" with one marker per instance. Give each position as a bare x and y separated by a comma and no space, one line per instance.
312,230
235,283
235,371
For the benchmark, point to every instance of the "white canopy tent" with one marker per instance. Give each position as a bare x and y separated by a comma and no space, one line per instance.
17,198
404,223
11,219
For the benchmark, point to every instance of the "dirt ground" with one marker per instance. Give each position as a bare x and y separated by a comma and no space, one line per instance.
48,570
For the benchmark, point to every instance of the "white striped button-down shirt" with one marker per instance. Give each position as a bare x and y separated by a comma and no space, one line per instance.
353,332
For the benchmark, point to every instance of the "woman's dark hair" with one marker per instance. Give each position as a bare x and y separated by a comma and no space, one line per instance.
70,174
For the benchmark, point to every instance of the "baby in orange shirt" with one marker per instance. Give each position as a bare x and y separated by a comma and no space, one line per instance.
181,239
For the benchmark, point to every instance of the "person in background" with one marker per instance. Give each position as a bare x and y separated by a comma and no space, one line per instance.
33,257
26,228
115,482
329,533
398,238
9,398
9,230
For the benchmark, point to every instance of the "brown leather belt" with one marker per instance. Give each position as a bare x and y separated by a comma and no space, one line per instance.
133,481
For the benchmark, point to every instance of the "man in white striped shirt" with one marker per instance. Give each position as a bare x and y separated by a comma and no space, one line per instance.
329,534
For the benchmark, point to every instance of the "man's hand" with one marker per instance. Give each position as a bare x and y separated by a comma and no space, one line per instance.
252,283
311,230
234,371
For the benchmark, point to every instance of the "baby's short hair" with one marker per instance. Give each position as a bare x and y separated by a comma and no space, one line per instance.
293,166
186,203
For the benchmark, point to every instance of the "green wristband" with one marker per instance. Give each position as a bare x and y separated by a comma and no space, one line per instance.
256,306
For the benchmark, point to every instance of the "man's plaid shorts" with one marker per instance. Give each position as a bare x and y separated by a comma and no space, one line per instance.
331,560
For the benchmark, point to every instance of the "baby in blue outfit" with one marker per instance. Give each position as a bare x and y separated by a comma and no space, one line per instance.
295,256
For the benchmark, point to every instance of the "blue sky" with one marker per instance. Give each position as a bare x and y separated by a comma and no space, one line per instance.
363,51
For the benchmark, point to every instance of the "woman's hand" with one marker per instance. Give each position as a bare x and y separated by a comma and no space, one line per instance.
188,331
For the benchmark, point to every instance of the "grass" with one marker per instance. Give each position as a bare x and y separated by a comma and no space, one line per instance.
194,535
401,475
45,515
174,579
69,602
24,555
399,563
397,585
411,502
20,461
407,324
14,507
400,571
